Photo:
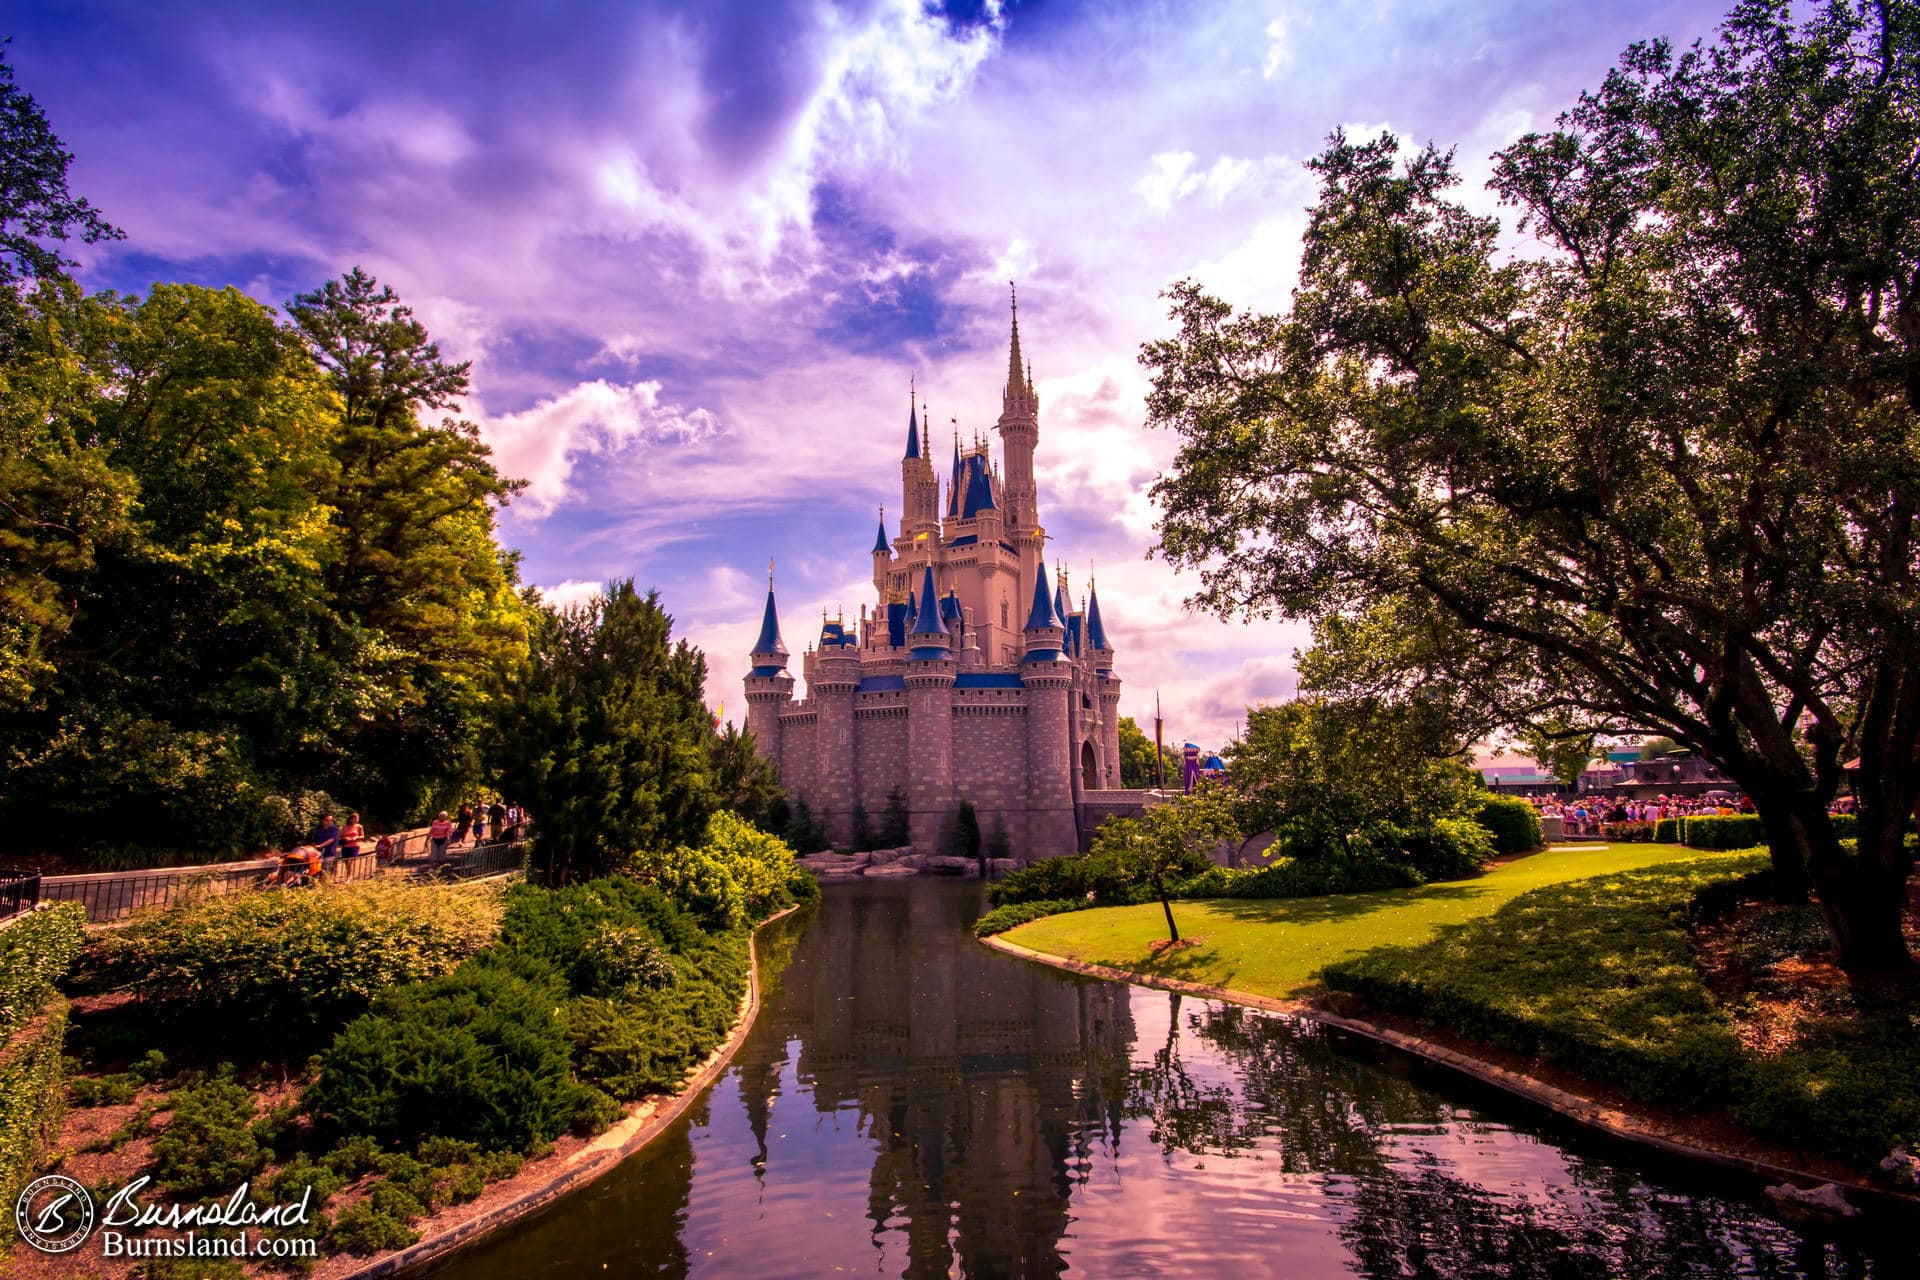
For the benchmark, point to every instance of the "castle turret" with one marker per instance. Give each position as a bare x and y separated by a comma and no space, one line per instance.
882,556
830,688
1106,688
1048,680
929,676
919,487
769,687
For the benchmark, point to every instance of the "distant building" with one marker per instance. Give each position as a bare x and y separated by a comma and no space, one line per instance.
1516,775
972,677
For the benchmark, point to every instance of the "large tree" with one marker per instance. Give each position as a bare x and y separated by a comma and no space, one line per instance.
1659,468
37,212
605,739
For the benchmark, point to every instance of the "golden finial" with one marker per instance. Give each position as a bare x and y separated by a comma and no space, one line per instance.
769,573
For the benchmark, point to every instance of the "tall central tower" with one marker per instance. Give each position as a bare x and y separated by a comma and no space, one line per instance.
1019,428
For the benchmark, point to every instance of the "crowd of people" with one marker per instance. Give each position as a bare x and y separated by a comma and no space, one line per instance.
333,844
1583,815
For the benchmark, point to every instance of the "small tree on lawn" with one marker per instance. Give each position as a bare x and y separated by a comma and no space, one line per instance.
1171,840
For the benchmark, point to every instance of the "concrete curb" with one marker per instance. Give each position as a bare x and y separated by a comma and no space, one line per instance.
593,1161
1588,1113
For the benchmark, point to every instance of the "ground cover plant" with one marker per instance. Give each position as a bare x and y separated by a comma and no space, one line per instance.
280,969
1602,975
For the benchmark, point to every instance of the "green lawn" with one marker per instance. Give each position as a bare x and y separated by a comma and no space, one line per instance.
1276,948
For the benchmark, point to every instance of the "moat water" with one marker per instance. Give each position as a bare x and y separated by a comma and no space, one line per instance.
910,1103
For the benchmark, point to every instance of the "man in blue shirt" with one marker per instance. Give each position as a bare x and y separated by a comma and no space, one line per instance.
327,841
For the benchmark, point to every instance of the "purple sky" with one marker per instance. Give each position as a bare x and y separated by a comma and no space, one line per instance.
695,251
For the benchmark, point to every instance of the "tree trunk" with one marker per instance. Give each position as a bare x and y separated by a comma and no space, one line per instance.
1789,845
1173,932
1862,896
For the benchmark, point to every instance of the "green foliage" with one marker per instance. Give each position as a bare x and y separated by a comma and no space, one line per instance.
1597,975
895,822
648,1042
477,1055
35,953
999,843
32,1073
803,832
1656,746
737,874
1513,822
606,739
801,886
35,206
1316,770
1441,449
276,595
1446,849
1137,761
209,1146
280,968
602,937
863,839
1722,831
1633,832
744,781
1600,975
963,832
1013,914
1303,878
1666,831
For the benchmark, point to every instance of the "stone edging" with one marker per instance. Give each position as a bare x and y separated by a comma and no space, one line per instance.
597,1158
1588,1113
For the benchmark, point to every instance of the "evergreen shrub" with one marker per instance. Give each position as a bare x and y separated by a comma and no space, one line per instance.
1514,823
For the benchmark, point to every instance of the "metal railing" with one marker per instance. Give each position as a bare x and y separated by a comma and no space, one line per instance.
113,895
19,891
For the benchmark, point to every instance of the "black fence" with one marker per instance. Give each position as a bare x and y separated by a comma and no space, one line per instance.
19,891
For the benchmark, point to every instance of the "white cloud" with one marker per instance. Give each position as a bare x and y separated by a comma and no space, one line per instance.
1171,178
572,592
1279,51
540,445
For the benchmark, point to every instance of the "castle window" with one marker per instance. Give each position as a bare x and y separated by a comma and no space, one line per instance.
1003,613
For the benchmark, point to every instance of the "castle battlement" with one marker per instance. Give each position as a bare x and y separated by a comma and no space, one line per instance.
971,676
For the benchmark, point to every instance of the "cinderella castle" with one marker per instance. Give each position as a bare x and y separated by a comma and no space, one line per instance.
972,676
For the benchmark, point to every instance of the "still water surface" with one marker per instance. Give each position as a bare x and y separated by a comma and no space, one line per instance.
910,1103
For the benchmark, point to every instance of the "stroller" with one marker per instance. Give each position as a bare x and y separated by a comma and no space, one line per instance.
298,869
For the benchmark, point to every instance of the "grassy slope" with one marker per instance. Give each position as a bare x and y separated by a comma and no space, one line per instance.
1241,948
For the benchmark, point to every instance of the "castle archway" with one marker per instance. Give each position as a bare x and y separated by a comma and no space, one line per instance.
1089,768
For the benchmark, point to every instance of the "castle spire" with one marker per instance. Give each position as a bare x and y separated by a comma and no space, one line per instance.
880,538
1015,380
913,425
1041,615
1096,630
769,641
928,623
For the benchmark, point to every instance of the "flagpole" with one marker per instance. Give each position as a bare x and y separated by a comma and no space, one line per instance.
1159,757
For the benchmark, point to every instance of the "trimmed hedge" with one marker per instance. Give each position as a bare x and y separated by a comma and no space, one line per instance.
1666,831
35,952
1722,831
1014,914
1514,823
1303,878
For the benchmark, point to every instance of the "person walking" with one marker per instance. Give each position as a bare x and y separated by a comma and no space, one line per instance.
350,837
479,824
498,812
327,840
438,834
466,824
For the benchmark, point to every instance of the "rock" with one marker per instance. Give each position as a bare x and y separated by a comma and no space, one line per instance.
881,857
1903,1168
1826,1202
1003,866
890,871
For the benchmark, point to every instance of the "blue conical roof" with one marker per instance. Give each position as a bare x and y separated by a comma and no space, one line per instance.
1061,608
1041,615
979,488
913,432
769,641
880,540
928,623
1096,631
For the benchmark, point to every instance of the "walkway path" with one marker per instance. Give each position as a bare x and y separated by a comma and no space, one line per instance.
1241,944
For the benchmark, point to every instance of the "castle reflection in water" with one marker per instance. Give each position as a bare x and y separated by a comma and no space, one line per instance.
984,1085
